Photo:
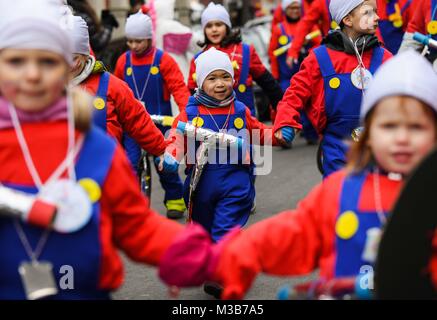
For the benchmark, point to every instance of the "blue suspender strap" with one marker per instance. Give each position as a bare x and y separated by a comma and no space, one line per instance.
377,57
350,193
281,26
246,62
325,63
102,93
128,59
158,56
433,9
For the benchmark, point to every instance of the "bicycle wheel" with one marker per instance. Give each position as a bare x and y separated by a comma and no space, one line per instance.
145,176
320,158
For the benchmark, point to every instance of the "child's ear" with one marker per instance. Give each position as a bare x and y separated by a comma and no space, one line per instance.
348,21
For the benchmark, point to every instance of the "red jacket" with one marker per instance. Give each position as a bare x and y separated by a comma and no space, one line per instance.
127,114
307,90
174,83
126,221
421,17
235,52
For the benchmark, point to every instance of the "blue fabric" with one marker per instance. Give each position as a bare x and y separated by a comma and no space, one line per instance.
342,107
246,97
225,193
80,250
392,36
170,164
349,251
155,105
433,14
285,72
99,116
288,134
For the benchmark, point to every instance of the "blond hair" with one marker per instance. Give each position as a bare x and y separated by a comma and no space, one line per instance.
82,102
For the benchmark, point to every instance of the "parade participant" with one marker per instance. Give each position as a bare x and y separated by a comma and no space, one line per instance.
47,150
153,76
282,35
332,80
337,227
247,65
423,21
279,14
225,192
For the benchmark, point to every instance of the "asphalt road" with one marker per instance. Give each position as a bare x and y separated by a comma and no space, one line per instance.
294,173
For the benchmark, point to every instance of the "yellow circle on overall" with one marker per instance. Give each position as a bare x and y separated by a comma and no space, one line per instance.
283,40
238,123
194,76
129,71
92,188
154,70
197,122
432,27
99,103
398,23
334,83
347,225
334,25
235,65
242,88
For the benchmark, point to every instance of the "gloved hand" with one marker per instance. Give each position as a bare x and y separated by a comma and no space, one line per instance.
167,163
108,19
285,136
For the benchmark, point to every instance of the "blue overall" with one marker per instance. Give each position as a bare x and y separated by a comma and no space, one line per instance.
433,15
392,35
81,250
225,192
156,105
342,107
285,75
99,114
349,251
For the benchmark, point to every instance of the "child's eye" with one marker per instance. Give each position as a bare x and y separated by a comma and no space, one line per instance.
388,125
416,126
48,62
15,61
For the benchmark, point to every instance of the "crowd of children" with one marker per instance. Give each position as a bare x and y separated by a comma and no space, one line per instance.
72,136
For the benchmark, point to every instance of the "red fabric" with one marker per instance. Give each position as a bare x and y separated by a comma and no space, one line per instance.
306,90
174,83
127,114
126,222
421,17
256,67
278,14
303,239
407,15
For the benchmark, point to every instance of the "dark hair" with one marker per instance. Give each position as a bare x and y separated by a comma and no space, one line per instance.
82,6
232,36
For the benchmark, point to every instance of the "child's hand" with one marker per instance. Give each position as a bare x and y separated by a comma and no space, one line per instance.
285,136
291,61
167,163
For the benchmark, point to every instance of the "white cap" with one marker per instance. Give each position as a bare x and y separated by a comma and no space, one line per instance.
210,61
408,74
139,26
81,37
36,24
341,8
286,3
215,12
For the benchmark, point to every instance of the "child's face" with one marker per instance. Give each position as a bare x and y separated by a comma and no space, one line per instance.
401,133
215,31
293,11
32,79
139,46
363,19
218,84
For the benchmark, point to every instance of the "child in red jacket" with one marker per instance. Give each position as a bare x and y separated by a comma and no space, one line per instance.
50,150
332,80
337,227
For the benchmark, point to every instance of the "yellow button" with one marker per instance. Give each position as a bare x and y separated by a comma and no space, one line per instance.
154,70
334,83
238,123
283,40
194,76
129,71
432,27
99,103
398,23
334,25
242,88
92,188
197,122
347,225
235,65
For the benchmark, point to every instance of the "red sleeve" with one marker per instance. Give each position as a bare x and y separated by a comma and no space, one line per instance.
417,23
298,94
136,229
278,15
191,82
259,132
256,67
274,68
177,142
120,66
306,25
174,80
292,248
134,118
